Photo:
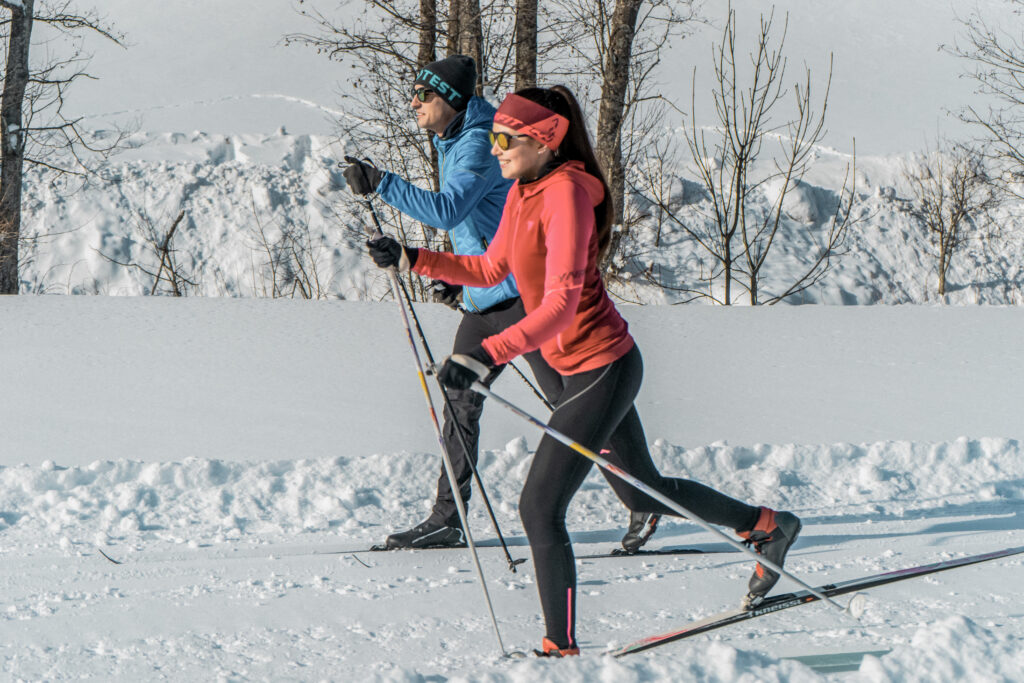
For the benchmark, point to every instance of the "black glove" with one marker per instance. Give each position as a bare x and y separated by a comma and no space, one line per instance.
459,370
362,176
386,252
443,293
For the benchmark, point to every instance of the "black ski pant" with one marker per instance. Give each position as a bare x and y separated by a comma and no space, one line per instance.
595,409
468,405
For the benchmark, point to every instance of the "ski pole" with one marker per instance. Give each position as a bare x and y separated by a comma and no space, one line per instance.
536,393
449,469
448,404
461,435
658,496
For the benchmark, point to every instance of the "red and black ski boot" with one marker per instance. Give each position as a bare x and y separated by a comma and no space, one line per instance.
549,649
771,537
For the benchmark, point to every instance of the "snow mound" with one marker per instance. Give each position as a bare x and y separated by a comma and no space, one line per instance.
248,199
716,663
955,649
202,501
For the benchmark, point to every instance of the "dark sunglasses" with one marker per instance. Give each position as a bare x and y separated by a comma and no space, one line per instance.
504,140
422,94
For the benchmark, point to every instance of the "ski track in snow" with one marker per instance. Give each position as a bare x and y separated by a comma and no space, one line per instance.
337,113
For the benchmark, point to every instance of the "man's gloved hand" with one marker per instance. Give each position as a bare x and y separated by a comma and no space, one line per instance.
386,252
362,176
443,293
460,370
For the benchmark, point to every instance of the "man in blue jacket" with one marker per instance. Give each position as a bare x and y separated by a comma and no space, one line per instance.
468,207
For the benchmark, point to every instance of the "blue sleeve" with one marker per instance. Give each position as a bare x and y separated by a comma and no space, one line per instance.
473,174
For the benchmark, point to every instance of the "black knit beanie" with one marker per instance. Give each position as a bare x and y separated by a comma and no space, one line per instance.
453,78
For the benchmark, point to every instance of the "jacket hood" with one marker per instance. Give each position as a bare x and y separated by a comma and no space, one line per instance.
477,118
479,113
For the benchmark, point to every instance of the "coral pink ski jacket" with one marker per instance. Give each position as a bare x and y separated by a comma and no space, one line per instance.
548,242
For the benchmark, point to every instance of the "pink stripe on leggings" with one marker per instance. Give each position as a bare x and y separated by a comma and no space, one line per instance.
568,619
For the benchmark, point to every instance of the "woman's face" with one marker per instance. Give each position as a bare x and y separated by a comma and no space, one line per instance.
524,158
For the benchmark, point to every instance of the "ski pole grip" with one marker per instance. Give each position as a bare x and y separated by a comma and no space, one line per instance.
369,204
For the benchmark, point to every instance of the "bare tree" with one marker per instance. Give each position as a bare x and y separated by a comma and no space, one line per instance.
614,85
288,259
996,63
951,196
32,119
747,197
618,47
169,275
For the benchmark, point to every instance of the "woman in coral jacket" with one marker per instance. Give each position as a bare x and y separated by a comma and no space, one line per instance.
553,231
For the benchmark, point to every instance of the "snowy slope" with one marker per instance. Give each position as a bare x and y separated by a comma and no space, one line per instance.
240,193
221,67
235,129
218,448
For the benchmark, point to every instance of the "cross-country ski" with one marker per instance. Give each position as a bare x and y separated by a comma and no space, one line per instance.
788,600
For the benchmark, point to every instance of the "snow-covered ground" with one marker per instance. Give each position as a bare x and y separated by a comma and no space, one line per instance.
219,448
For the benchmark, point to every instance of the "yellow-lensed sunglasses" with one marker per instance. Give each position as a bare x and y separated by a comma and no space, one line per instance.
504,140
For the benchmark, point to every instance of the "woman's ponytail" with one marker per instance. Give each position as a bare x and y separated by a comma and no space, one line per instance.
576,146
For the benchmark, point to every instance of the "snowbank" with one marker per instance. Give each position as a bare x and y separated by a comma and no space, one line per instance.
202,501
251,200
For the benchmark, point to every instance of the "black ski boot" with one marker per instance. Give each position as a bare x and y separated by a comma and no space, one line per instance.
771,537
428,534
641,528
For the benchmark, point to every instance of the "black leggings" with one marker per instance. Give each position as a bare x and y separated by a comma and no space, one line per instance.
595,409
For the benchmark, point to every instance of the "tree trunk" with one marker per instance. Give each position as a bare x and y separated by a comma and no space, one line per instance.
454,27
944,259
12,141
613,101
428,33
526,44
428,53
471,38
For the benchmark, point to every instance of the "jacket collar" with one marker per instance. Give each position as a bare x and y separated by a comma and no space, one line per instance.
572,169
478,114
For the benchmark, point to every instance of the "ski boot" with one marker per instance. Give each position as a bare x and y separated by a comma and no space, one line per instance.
428,534
552,650
771,537
641,527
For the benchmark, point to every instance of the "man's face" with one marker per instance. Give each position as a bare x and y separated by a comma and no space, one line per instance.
432,112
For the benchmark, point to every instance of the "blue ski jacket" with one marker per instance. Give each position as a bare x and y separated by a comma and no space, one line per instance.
469,204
